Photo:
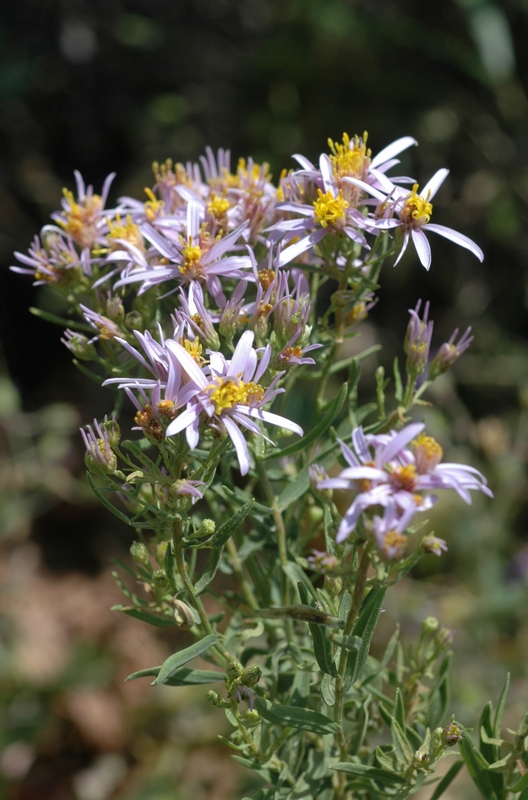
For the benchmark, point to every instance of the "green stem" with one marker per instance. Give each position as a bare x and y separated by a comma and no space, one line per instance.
238,569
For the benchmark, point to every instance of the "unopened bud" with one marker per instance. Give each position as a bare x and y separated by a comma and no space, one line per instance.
251,717
134,321
207,528
333,585
430,625
79,345
452,733
139,553
234,670
251,676
115,309
213,698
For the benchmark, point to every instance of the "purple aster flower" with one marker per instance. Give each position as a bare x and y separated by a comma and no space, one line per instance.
83,217
418,339
413,210
384,471
449,352
98,447
52,258
229,396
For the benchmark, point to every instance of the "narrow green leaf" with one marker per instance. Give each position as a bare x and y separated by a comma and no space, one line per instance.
398,385
69,323
351,643
448,778
177,660
145,616
364,628
322,646
489,749
134,598
182,677
402,748
477,766
169,563
359,734
295,717
298,577
497,722
382,775
398,711
88,372
331,412
107,504
210,570
328,689
521,785
225,531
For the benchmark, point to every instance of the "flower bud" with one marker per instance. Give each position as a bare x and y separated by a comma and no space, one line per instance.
333,585
448,353
139,553
159,579
234,670
251,676
317,474
434,545
251,717
452,733
79,346
115,309
134,321
430,625
207,528
213,698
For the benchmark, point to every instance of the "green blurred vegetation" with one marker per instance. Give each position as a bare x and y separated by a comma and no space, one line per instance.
111,86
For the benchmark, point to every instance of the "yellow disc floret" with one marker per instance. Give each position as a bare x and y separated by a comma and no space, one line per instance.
194,349
229,392
128,231
80,217
404,477
218,205
350,159
417,208
427,453
330,210
191,266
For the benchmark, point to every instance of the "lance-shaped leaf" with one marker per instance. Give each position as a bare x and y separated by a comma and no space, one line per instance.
322,645
182,677
177,660
382,775
295,717
107,504
145,616
225,531
331,412
477,766
364,628
448,778
210,570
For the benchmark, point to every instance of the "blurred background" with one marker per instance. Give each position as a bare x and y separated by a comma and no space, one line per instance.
111,86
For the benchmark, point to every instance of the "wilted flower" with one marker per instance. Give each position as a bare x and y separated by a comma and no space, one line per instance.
449,352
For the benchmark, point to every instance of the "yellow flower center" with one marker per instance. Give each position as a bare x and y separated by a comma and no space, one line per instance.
427,453
394,541
128,231
228,392
350,159
417,208
330,210
191,266
152,206
265,277
80,218
195,349
404,477
218,206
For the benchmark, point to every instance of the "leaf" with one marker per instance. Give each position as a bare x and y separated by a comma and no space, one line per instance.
177,660
295,717
448,778
210,570
398,711
225,531
145,616
381,775
107,504
522,784
298,577
358,737
351,643
323,651
331,412
477,766
169,563
497,722
403,750
398,386
328,689
182,677
364,628
88,372
70,323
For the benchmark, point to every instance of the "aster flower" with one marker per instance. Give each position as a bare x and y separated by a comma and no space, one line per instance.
52,258
413,211
330,214
193,258
83,217
98,447
228,396
384,471
449,352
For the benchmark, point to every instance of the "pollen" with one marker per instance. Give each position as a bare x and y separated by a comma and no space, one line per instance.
266,277
404,477
417,208
330,210
394,544
194,349
218,206
191,266
80,217
128,231
350,159
427,453
167,409
152,206
227,393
